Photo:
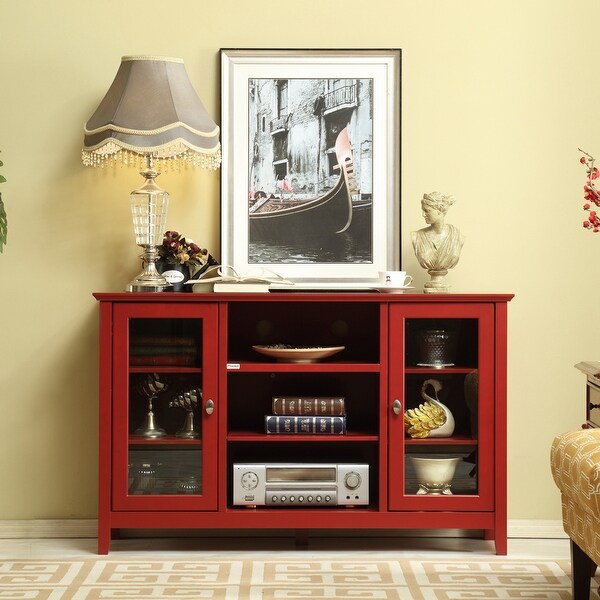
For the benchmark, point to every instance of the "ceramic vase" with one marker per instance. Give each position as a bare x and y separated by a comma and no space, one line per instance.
176,274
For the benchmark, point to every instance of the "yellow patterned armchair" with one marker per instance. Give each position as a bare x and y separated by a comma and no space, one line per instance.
575,463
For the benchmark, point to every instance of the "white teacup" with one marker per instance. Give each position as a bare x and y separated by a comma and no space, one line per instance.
396,279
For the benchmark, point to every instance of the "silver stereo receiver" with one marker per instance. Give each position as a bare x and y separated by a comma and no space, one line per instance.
300,484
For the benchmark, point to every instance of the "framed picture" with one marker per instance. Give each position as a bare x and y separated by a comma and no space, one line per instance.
311,164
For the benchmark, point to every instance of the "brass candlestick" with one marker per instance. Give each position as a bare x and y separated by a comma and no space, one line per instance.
151,387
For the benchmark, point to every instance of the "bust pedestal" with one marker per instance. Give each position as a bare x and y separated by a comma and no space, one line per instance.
437,283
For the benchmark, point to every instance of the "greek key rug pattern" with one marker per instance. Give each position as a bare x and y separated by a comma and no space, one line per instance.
279,578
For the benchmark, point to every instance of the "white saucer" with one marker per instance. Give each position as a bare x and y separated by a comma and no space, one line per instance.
390,289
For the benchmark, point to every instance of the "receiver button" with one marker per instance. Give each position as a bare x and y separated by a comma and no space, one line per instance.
249,480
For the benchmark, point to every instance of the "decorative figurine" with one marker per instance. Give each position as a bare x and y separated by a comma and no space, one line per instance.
437,246
430,419
188,401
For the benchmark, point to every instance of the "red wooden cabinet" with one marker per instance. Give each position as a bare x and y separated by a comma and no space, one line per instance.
183,398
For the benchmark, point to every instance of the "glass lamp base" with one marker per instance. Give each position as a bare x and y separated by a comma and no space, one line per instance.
139,285
149,280
149,211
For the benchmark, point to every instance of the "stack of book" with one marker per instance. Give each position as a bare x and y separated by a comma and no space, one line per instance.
307,414
163,351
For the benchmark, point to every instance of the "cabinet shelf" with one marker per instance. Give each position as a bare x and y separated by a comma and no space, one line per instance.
163,369
250,436
455,440
439,371
324,367
322,512
167,440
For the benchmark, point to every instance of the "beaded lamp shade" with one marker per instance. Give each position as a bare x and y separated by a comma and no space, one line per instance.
151,108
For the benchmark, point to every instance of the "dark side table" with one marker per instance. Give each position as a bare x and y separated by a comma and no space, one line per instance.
592,403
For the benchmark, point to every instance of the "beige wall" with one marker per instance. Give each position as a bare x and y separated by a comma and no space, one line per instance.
497,96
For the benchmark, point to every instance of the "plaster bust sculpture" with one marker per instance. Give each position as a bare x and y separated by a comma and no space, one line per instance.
437,246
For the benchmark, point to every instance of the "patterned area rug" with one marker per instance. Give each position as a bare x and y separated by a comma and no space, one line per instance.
280,578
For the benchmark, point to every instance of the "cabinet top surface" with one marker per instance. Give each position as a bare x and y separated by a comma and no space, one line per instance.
173,297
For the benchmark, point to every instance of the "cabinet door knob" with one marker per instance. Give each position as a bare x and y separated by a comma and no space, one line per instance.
397,407
210,406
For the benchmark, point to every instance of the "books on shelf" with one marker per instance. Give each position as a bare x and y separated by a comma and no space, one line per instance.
308,405
305,425
163,360
307,414
163,351
179,341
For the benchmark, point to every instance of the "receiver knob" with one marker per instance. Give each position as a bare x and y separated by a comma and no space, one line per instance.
352,480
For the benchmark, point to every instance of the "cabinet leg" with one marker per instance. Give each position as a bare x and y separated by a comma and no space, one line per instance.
582,568
301,538
501,546
103,540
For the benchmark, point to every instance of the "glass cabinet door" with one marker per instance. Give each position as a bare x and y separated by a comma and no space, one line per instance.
165,413
441,407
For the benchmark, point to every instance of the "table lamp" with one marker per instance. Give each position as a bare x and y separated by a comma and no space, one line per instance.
151,118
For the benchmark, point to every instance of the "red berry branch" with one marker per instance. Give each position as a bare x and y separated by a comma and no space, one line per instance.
590,193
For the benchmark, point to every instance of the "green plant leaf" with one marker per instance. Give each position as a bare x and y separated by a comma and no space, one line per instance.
2,179
3,225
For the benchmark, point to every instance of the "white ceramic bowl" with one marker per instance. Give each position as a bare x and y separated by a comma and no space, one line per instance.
434,474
